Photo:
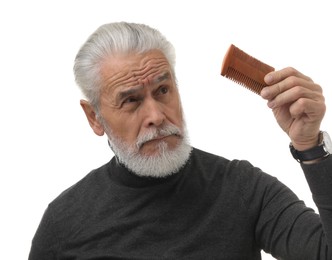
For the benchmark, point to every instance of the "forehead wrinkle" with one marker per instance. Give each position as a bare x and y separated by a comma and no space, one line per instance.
153,75
119,80
130,77
148,66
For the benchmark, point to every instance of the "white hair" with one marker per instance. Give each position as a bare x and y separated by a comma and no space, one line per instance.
108,41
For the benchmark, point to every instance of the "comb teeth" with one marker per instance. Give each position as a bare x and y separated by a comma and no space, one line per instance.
244,81
244,69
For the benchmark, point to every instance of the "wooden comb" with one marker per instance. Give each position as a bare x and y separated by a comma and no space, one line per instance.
244,69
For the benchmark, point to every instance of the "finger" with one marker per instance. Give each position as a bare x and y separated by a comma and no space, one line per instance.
310,109
272,91
279,75
293,94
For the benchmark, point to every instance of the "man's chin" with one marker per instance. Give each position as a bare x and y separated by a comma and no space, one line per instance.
160,162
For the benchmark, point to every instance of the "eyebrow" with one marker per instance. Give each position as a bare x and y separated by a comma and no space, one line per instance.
128,92
162,77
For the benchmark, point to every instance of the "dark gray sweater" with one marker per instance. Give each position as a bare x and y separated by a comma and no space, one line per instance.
212,209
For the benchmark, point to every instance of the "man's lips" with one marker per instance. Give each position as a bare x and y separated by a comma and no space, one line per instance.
160,138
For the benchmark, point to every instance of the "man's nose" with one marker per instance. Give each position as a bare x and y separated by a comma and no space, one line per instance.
153,113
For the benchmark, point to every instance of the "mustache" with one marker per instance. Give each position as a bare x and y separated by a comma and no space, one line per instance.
163,131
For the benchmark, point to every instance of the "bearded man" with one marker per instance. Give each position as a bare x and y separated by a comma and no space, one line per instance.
160,198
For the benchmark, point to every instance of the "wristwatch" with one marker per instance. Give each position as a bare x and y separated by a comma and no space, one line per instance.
322,150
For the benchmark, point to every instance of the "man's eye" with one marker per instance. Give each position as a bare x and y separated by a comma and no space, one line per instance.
130,100
163,90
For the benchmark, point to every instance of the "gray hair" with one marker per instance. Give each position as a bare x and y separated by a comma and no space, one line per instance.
112,39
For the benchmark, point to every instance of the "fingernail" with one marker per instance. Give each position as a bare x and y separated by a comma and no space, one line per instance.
265,92
268,79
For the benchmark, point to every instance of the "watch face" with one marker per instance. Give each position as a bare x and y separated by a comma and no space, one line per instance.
327,142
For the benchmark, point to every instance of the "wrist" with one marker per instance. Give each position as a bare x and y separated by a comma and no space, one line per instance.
315,153
303,146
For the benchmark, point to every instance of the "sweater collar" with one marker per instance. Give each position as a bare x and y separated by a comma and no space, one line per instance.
123,176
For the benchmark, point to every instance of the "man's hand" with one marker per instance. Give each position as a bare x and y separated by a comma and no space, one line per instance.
298,105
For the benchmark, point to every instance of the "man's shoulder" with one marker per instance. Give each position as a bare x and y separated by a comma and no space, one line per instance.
83,188
210,159
219,166
207,156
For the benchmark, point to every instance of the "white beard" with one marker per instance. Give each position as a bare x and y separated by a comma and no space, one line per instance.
165,162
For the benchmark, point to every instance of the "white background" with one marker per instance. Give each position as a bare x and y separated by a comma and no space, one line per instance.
46,143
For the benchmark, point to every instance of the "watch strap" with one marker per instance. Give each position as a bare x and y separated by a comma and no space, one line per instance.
310,154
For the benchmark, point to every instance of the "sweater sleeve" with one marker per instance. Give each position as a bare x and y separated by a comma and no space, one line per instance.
319,178
288,229
45,242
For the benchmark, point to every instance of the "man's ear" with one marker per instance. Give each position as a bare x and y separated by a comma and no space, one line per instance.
91,115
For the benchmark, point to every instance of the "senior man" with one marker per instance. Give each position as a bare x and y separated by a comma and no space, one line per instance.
160,198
